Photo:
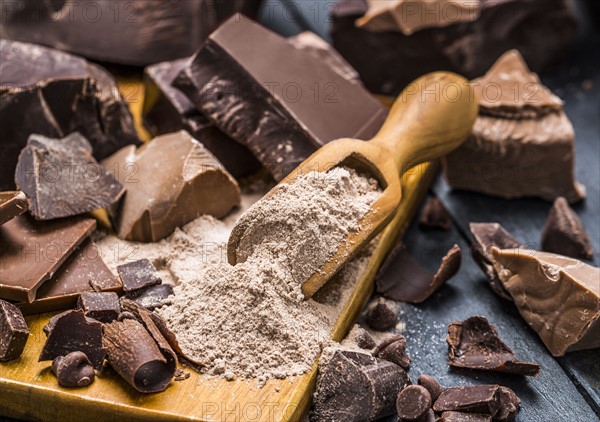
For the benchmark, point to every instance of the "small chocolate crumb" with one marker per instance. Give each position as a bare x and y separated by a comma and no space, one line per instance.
393,349
365,341
73,370
435,215
564,232
13,331
381,317
413,403
138,275
434,388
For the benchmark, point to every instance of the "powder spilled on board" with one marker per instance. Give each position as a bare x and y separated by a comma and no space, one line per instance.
251,320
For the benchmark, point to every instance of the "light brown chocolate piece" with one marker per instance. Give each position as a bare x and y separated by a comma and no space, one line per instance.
12,203
409,16
559,297
169,181
32,252
522,144
564,232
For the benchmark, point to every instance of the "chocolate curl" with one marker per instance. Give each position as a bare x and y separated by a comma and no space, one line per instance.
137,357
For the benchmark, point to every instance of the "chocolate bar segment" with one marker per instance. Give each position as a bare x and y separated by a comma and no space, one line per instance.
138,275
32,251
564,232
51,93
291,101
61,178
13,331
12,203
542,282
101,306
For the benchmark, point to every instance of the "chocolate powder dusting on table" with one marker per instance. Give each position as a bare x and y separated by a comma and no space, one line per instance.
251,320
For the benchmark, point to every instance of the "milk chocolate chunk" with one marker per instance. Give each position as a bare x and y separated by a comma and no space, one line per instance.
483,399
167,109
13,331
564,233
136,356
522,145
73,370
474,343
431,385
380,316
559,297
407,281
12,203
137,275
435,215
413,403
486,235
169,181
83,271
102,306
452,416
283,103
61,178
32,251
153,296
393,349
51,93
73,332
354,386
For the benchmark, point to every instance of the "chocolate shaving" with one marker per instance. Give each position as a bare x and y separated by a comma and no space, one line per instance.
474,343
413,403
564,232
409,282
380,316
13,331
435,215
12,203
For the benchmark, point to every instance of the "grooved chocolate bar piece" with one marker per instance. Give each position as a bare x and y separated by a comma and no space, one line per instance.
474,343
61,178
102,306
483,399
138,275
32,251
486,235
564,233
12,203
73,332
291,101
540,283
169,181
51,93
354,386
13,331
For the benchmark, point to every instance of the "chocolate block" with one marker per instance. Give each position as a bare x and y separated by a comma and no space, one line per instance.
13,331
12,203
73,332
522,144
61,178
167,109
564,233
279,101
102,306
403,279
83,271
486,235
32,251
353,386
133,32
51,93
169,181
542,283
434,215
138,275
472,399
474,343
413,403
464,417
423,40
152,297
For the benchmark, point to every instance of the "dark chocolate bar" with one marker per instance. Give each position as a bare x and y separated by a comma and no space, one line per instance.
13,331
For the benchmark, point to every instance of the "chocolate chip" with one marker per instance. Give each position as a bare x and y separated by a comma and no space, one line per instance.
435,216
393,349
364,340
13,331
413,403
434,388
381,317
73,370
138,275
564,232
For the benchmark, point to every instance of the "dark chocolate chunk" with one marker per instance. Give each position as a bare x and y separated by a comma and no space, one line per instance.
13,331
102,306
134,353
564,233
291,101
510,404
153,296
474,343
73,332
32,251
393,349
413,403
51,93
61,178
365,341
52,322
431,385
354,386
137,275
452,416
73,370
380,316
12,203
486,235
405,280
435,215
483,399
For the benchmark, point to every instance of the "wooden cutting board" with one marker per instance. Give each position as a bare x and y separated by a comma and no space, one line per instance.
28,390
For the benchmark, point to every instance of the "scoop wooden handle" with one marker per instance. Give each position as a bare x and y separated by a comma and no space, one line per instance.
430,118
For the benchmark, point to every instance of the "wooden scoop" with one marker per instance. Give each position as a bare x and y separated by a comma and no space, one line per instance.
430,118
